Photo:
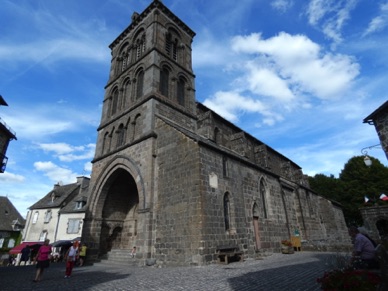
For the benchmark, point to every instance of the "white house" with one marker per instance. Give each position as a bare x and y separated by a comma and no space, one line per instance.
59,214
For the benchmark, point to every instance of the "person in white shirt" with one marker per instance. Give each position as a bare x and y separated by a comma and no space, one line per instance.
71,257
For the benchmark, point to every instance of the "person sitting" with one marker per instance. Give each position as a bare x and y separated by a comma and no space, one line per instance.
363,256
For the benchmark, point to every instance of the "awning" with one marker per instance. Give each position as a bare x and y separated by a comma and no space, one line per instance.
62,243
33,245
65,242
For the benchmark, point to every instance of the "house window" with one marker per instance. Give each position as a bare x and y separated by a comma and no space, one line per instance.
43,235
11,243
79,204
35,218
1,242
73,226
48,216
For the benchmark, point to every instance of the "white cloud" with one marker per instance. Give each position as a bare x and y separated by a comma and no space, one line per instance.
33,125
7,177
88,167
300,63
66,152
330,16
60,148
282,5
42,121
263,81
231,104
55,172
379,22
281,73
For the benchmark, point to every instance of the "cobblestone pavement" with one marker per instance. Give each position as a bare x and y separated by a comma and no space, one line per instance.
294,272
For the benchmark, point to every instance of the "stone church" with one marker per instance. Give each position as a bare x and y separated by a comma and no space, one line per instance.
174,178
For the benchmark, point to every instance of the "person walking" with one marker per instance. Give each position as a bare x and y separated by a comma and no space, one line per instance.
43,260
26,251
70,258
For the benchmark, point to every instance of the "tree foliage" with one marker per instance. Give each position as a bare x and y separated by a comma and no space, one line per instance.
355,182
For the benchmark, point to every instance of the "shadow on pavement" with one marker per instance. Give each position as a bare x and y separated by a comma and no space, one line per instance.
83,278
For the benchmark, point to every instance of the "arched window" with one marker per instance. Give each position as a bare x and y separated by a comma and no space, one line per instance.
126,94
140,44
105,144
171,44
164,81
48,216
115,99
123,61
262,196
135,127
139,84
35,217
120,135
227,211
216,136
181,91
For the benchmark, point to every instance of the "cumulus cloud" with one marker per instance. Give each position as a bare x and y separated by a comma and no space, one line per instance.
68,153
7,177
231,104
300,63
56,173
284,71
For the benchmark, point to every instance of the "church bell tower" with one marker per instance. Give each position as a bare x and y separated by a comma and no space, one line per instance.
150,75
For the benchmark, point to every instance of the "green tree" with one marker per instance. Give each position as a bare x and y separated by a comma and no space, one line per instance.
355,181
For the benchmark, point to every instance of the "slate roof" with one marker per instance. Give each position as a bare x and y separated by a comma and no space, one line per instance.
57,197
65,197
2,101
371,117
9,215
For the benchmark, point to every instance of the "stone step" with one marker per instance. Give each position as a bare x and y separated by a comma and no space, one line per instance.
119,257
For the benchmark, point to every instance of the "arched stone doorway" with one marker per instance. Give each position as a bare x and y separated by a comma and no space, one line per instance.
119,213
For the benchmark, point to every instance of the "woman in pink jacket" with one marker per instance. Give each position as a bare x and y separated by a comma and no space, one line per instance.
42,259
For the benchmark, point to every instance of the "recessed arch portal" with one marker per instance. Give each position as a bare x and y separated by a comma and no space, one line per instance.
119,212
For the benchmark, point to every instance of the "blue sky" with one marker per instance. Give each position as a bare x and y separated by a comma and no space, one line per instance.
298,75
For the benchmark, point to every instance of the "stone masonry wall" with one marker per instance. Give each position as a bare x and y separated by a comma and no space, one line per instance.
178,207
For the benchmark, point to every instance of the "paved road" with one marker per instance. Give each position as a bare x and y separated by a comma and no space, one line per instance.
277,272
